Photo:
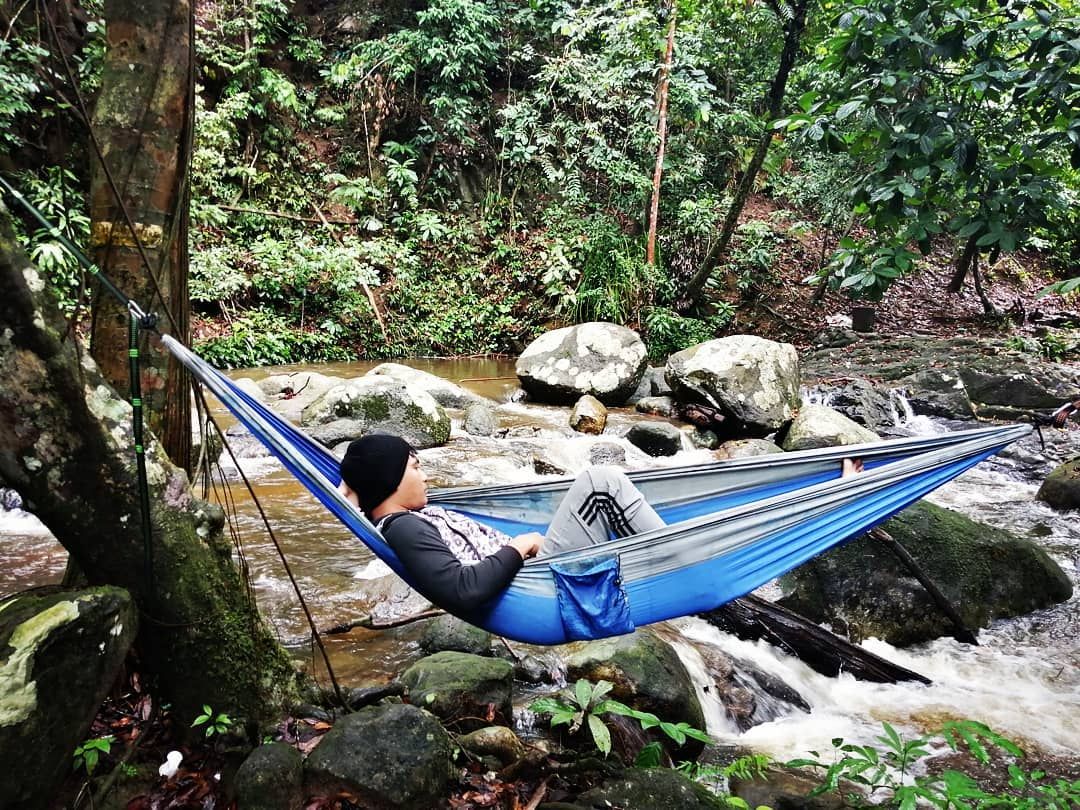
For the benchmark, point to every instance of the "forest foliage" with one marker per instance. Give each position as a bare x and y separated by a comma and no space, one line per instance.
485,169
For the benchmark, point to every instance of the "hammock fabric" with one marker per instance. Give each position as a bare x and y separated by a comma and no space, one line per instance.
733,525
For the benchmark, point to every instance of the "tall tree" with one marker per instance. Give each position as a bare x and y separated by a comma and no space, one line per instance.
792,16
67,447
661,133
139,199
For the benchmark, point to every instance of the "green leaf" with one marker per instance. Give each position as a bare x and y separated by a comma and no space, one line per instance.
583,693
848,108
650,756
600,734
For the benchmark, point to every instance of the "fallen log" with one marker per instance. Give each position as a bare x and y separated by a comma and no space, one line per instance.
752,618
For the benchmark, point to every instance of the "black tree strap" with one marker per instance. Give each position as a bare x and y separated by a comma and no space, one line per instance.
140,456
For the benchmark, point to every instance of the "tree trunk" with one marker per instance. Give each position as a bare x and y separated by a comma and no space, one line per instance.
67,447
963,264
661,129
793,29
143,120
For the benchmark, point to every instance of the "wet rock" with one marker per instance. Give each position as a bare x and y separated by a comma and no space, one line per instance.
601,359
750,696
861,401
658,406
703,438
480,420
494,741
985,572
607,454
755,382
451,633
647,674
588,416
377,405
461,688
289,394
745,448
271,778
1061,489
656,438
933,392
59,656
819,426
784,789
543,466
10,500
651,789
394,756
446,393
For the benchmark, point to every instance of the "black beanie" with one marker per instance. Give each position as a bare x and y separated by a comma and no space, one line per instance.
373,467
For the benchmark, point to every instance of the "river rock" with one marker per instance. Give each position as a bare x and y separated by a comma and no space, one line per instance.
861,588
933,392
703,438
750,695
820,426
647,674
861,401
446,393
1061,489
785,788
651,789
588,416
656,438
289,394
607,454
494,741
59,656
755,382
461,688
480,420
271,778
745,448
10,500
658,406
393,756
451,633
601,359
377,404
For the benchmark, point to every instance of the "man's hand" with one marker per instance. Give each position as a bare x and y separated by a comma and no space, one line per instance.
528,545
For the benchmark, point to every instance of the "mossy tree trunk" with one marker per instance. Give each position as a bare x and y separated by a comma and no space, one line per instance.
139,200
66,446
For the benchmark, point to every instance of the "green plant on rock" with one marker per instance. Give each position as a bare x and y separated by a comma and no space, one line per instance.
885,773
88,754
585,704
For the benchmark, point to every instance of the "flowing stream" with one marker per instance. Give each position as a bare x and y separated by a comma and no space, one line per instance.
1023,680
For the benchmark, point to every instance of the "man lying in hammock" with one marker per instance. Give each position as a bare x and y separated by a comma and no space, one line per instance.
460,564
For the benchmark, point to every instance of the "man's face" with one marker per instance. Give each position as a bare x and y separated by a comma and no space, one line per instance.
412,491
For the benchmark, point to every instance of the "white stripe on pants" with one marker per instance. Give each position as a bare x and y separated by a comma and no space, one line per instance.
601,504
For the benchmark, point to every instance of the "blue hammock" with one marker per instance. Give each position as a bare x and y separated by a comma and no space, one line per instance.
733,525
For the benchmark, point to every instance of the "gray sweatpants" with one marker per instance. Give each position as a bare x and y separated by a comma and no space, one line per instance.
601,504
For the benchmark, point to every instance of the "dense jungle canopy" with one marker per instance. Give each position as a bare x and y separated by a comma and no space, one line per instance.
474,170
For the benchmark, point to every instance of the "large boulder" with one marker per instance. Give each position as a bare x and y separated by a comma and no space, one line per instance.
377,404
937,392
863,589
647,674
601,359
821,426
448,632
745,448
446,393
393,756
59,656
651,789
1061,489
271,778
755,382
461,688
289,394
861,401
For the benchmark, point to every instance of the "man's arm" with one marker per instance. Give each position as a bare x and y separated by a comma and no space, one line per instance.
439,575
